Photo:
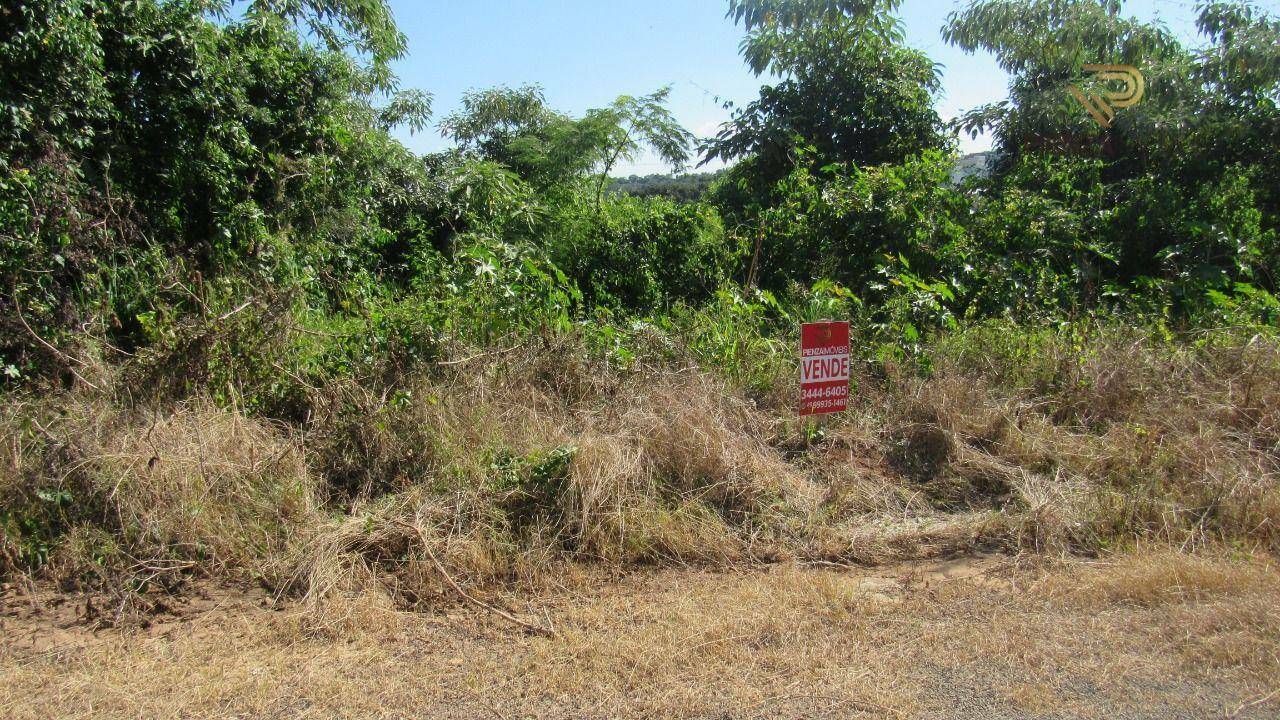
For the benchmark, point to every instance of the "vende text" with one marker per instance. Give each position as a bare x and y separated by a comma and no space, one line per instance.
824,368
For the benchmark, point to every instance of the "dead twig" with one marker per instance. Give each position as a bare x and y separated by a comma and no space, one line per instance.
463,361
294,376
1265,699
229,313
66,359
426,546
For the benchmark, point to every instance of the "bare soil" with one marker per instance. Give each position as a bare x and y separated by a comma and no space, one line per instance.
1154,635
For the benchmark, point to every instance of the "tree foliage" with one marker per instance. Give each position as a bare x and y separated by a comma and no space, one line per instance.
850,91
167,163
1185,181
516,128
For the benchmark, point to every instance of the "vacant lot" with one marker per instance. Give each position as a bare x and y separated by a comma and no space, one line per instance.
1155,635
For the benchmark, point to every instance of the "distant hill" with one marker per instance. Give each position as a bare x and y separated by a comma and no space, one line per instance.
681,188
693,186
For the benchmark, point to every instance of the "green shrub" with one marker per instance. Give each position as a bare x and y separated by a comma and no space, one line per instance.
640,254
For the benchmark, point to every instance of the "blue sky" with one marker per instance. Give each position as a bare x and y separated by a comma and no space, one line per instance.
585,53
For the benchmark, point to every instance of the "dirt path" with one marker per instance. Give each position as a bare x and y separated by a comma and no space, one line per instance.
1159,636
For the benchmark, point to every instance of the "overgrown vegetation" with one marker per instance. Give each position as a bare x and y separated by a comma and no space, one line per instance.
246,332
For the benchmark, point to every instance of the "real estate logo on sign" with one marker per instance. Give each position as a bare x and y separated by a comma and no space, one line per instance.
1102,106
824,368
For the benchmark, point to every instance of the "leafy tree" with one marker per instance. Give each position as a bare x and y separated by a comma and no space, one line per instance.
151,147
365,27
850,91
1188,175
490,121
624,253
630,124
755,13
514,127
851,97
844,222
1043,45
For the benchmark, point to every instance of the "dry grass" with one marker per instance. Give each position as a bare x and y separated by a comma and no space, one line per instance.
155,496
986,638
1117,439
520,474
505,469
1154,577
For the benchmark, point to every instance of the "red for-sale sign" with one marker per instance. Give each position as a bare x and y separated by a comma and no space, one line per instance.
824,368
